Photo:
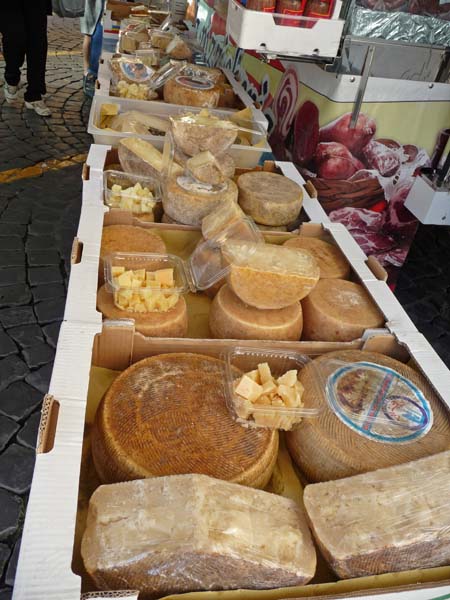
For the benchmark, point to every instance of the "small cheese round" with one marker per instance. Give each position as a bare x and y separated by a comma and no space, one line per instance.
268,276
325,448
171,323
188,91
269,198
339,311
230,318
167,415
187,202
331,261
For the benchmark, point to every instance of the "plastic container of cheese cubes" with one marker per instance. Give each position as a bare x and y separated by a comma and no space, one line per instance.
268,393
138,194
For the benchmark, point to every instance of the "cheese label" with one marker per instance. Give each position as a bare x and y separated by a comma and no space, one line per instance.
195,83
378,403
135,71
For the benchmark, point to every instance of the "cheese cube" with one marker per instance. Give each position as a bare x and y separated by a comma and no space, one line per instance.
150,276
172,300
299,387
116,271
248,389
161,303
254,375
124,280
139,274
165,277
289,378
288,394
269,386
264,373
263,400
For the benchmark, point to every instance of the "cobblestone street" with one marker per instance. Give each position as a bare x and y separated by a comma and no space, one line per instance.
40,198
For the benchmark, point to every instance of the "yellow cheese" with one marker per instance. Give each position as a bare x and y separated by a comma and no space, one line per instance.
230,318
141,158
205,167
339,311
186,91
331,261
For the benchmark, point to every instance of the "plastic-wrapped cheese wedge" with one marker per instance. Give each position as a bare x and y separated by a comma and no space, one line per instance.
141,158
331,261
204,534
196,132
393,519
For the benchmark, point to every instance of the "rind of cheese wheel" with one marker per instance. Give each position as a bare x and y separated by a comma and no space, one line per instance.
141,158
177,48
230,318
167,415
339,311
269,198
171,323
195,133
190,207
332,263
325,448
176,93
267,276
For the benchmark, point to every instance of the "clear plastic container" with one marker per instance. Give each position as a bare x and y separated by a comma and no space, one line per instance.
129,197
269,416
150,57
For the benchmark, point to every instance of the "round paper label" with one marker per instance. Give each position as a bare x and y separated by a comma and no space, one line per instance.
378,403
195,83
136,72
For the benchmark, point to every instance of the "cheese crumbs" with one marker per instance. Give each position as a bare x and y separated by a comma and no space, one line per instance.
144,291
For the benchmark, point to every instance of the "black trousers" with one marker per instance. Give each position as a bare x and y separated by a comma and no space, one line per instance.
23,24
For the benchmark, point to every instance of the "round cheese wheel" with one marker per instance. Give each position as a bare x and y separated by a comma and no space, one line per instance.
167,415
269,198
172,323
230,318
325,448
188,202
191,91
339,311
331,261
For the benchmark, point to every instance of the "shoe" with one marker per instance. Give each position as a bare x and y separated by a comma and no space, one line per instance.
39,107
89,85
11,92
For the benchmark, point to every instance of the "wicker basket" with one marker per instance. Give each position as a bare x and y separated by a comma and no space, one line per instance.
338,193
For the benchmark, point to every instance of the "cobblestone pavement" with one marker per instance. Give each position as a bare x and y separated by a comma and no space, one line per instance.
39,211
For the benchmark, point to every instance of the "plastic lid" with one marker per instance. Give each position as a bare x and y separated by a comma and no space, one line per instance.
166,72
131,196
375,401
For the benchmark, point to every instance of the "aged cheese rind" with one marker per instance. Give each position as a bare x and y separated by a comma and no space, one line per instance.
331,261
268,276
390,520
339,311
172,323
176,93
324,448
269,198
230,318
185,533
167,415
190,207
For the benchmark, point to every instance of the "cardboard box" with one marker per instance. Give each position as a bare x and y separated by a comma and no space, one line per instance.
45,564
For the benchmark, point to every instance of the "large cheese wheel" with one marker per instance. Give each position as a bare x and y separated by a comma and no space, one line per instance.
230,318
339,311
172,323
188,202
325,448
269,198
331,261
191,91
167,415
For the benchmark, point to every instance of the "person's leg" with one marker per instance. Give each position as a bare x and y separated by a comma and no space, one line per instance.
96,48
86,53
12,27
36,49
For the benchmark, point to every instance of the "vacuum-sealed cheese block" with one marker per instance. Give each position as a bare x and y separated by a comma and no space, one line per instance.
339,311
188,202
187,533
195,133
375,414
269,276
331,261
170,323
141,158
230,318
269,198
167,415
393,519
134,121
192,91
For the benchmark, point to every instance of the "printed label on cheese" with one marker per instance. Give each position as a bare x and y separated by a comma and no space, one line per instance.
195,83
378,403
196,187
135,71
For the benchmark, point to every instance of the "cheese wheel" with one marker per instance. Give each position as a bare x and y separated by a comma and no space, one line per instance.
167,415
325,448
187,202
230,318
269,198
172,323
191,91
339,311
331,261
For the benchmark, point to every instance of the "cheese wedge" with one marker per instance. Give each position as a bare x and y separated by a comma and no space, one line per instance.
331,261
141,158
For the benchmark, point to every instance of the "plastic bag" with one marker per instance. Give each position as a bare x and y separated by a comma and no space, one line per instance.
68,8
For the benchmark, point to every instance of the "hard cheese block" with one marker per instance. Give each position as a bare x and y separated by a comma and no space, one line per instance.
229,318
331,446
170,323
331,261
339,311
269,198
185,533
390,520
167,415
191,91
